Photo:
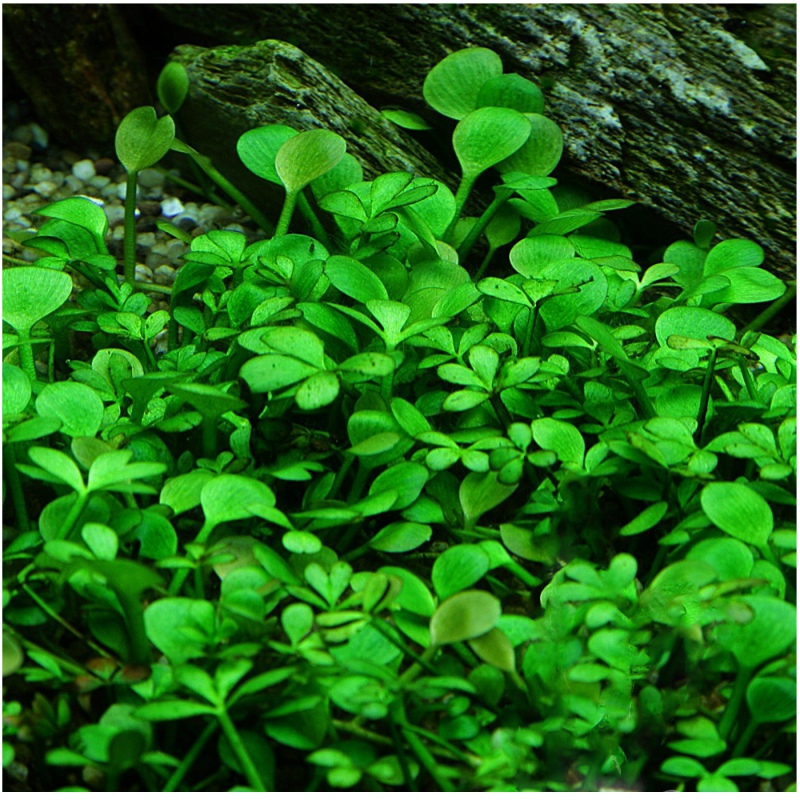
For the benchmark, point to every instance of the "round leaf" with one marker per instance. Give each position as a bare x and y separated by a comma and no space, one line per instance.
772,699
488,135
561,437
259,147
542,151
230,497
770,632
463,616
142,139
692,322
453,85
317,391
79,408
31,293
739,511
172,86
459,567
400,537
511,91
308,155
16,390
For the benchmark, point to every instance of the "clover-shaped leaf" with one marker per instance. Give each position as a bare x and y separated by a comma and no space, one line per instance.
307,156
142,139
453,85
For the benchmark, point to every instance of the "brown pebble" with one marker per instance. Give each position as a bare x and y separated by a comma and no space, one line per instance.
103,166
150,208
17,150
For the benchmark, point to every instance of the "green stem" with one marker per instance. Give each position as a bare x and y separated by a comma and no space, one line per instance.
462,193
188,760
129,242
747,377
768,313
152,287
347,462
744,739
240,751
210,437
286,213
735,703
180,576
480,225
15,487
68,666
320,234
426,759
134,619
706,393
72,517
354,495
421,662
520,572
484,264
26,361
237,196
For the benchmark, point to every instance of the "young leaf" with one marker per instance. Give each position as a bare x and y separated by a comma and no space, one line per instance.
308,155
459,567
463,616
31,293
172,86
488,135
143,140
511,91
453,85
78,407
258,148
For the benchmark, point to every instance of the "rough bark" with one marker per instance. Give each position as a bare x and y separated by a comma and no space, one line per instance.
80,67
236,88
660,103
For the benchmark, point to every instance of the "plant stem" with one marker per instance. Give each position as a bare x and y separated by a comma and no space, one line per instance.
735,703
747,377
26,361
15,487
480,225
313,220
210,437
72,517
462,193
134,619
129,242
286,213
484,264
426,759
152,287
744,739
340,475
180,576
240,751
768,313
194,751
706,393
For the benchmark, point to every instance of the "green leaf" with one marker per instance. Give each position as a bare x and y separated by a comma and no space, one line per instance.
273,372
772,699
405,119
317,391
684,767
111,471
85,214
259,147
13,654
488,135
31,293
231,497
407,478
730,558
182,492
540,153
494,648
182,628
308,155
459,567
142,140
748,285
739,511
768,634
414,596
480,493
162,710
59,465
16,390
355,280
78,407
561,437
511,91
101,540
731,254
645,520
464,616
692,322
172,86
453,85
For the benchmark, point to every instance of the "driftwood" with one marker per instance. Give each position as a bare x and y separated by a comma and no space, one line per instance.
685,108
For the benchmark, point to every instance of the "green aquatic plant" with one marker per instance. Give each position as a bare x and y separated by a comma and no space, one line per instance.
398,498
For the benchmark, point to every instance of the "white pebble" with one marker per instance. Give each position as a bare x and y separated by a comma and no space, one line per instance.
115,215
84,170
12,214
39,135
118,232
19,180
99,181
121,189
45,188
150,178
75,184
143,273
40,173
9,192
171,207
146,240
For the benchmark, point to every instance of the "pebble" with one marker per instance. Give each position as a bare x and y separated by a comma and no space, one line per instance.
150,178
9,192
100,181
45,188
115,214
75,184
40,173
171,207
84,169
143,273
164,274
17,150
103,166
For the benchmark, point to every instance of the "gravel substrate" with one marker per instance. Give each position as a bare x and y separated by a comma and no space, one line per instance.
37,172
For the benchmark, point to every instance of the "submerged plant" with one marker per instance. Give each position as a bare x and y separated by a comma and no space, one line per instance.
406,500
